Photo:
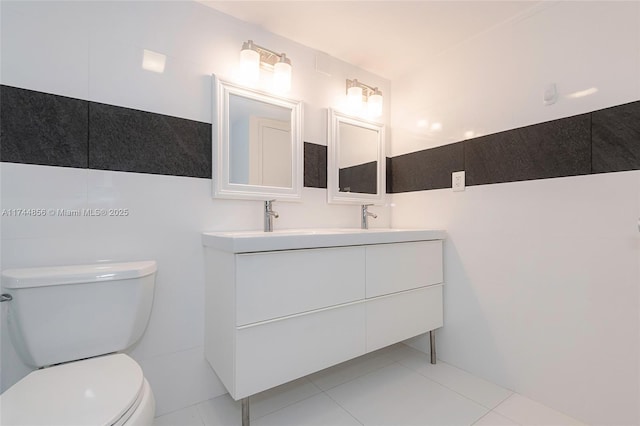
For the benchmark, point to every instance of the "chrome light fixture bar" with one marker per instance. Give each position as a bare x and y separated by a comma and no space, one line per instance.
254,57
360,94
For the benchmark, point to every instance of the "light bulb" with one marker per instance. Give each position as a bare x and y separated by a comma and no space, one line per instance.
354,97
374,104
282,74
249,63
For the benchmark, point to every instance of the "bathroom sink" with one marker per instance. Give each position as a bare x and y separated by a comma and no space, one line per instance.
287,239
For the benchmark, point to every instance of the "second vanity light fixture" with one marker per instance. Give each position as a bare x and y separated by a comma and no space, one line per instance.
254,57
360,95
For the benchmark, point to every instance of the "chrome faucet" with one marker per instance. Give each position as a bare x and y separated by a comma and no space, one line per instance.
269,214
364,224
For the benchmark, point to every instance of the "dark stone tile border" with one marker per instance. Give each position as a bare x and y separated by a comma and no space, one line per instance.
315,165
53,130
606,140
129,140
616,138
40,128
426,169
546,150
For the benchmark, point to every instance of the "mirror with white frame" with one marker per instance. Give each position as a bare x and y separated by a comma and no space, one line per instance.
356,160
257,144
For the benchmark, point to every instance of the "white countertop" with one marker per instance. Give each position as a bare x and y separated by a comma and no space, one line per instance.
289,239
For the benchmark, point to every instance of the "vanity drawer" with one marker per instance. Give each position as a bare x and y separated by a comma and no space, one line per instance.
279,351
276,284
397,267
397,317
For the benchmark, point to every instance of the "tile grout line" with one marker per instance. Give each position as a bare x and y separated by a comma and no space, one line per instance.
357,377
497,413
292,403
340,405
457,392
504,415
184,408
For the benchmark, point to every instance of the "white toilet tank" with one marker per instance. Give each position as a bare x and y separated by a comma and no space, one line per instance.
66,313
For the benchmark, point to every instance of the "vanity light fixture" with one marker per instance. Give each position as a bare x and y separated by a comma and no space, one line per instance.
254,57
360,95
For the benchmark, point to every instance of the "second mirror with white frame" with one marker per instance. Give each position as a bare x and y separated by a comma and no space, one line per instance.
356,160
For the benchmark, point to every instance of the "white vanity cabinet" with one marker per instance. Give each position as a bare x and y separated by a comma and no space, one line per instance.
276,315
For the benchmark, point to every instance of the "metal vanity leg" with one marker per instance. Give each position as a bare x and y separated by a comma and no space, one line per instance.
432,338
245,411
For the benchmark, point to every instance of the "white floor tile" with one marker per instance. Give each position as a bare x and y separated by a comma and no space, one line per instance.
347,371
396,395
494,419
475,388
220,411
224,411
375,390
279,397
397,352
528,412
318,410
186,417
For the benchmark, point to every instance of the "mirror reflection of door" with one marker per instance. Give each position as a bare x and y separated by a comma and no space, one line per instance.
269,152
260,143
357,162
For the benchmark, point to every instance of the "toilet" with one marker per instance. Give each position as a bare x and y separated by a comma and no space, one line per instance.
70,322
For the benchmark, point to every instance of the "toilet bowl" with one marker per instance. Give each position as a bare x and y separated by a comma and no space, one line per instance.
69,322
107,390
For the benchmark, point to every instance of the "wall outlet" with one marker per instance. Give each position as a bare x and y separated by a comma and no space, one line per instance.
457,181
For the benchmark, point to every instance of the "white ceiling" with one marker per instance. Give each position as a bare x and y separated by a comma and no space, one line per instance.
388,38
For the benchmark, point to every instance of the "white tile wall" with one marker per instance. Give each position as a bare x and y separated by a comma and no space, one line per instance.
45,47
496,80
542,287
117,78
93,50
542,277
45,189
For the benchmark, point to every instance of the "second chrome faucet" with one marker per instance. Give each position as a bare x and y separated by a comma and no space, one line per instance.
364,223
269,215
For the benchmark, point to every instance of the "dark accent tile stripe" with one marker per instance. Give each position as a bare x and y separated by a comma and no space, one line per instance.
552,149
616,138
426,169
46,129
124,139
389,176
40,128
361,179
315,165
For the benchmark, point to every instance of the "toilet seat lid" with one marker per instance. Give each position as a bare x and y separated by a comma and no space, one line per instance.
95,391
